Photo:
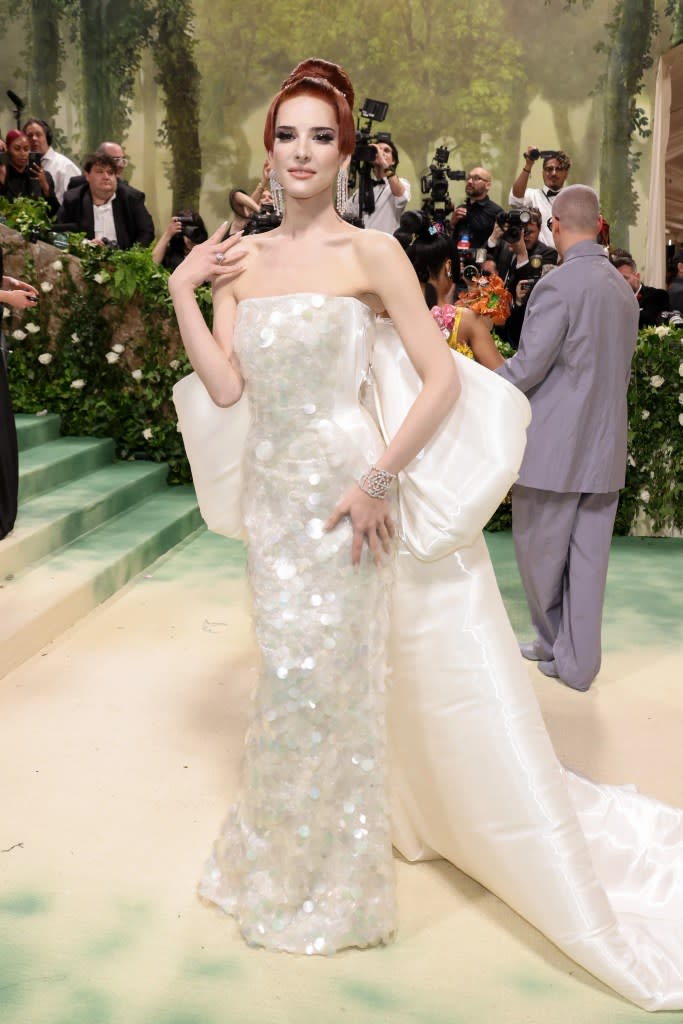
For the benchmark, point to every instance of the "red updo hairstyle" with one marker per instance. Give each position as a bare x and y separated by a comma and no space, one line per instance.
13,134
327,81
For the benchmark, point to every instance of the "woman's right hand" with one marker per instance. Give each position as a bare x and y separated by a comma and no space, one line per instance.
213,260
20,299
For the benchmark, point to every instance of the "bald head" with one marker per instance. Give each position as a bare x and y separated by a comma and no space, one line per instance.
578,209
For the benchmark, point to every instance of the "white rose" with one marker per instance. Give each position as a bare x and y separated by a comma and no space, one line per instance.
680,370
680,398
645,415
43,412
631,461
645,496
662,331
5,312
136,374
45,358
113,357
680,418
99,278
45,286
147,433
18,335
75,338
57,265
78,384
174,364
32,328
118,348
656,381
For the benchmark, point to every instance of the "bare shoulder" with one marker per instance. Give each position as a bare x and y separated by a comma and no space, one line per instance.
370,244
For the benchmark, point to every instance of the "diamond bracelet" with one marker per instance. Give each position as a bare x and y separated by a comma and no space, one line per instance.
376,482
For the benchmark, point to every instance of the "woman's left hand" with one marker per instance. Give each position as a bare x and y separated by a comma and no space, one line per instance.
371,520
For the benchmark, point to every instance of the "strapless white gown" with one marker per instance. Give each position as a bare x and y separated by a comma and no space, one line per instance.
463,767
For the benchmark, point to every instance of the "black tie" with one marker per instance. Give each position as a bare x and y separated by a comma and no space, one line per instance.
376,182
552,192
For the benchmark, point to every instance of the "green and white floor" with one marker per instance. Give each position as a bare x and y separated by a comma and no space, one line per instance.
120,743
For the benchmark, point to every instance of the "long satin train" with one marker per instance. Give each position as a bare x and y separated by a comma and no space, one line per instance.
598,869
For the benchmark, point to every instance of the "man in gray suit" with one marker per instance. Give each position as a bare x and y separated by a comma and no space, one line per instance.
573,363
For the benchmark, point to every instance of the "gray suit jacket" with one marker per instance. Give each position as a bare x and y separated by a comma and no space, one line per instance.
573,364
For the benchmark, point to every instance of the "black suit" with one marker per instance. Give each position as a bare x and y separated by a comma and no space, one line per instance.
506,261
479,221
131,218
653,302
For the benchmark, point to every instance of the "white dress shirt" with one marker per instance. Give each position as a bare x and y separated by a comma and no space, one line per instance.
61,168
104,221
388,207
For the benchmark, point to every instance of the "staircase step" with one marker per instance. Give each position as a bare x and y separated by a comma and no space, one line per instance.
33,430
46,600
54,463
50,521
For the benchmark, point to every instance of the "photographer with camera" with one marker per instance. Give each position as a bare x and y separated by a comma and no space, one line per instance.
24,175
391,193
108,212
185,230
521,258
474,219
556,166
62,169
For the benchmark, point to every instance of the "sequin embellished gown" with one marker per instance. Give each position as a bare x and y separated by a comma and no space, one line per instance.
304,860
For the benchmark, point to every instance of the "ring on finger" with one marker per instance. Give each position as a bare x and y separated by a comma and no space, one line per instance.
220,256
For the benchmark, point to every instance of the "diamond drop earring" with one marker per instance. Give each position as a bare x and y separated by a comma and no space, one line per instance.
342,190
278,194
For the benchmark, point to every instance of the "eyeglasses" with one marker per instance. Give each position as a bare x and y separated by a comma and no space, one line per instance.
475,177
551,169
120,160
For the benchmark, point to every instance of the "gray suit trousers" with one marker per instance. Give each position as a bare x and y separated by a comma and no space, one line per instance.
562,543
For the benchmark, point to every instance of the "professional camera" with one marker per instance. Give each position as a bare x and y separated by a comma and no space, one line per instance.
265,220
437,203
190,229
365,153
544,154
672,317
534,274
513,223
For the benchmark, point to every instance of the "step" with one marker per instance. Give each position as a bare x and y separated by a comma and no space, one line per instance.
33,430
51,520
38,606
57,462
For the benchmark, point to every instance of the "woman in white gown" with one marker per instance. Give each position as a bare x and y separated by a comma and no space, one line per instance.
304,862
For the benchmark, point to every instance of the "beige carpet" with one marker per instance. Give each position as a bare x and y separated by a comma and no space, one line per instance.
120,745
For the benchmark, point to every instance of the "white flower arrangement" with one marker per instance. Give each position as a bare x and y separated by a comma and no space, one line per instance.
32,328
74,338
118,348
662,331
101,277
18,335
645,415
45,286
656,381
45,358
174,364
111,356
147,433
57,265
77,384
136,375
645,496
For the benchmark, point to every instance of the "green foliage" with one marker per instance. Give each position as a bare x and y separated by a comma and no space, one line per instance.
179,78
102,349
654,475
